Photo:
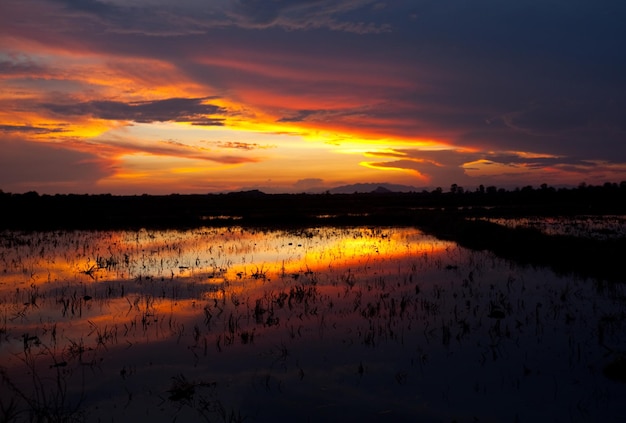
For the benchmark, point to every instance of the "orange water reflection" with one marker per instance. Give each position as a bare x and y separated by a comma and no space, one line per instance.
207,255
370,317
151,285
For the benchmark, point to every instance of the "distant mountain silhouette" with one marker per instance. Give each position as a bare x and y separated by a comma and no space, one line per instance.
248,193
362,188
372,187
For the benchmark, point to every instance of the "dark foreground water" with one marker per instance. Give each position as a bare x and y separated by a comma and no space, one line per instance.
229,324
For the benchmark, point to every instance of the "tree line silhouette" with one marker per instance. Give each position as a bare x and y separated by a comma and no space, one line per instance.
31,210
448,215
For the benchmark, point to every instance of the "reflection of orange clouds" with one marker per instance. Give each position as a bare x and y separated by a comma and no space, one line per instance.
170,284
348,252
40,272
201,253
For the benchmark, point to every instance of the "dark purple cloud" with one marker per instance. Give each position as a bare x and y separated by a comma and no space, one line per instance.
39,130
337,15
22,67
192,110
193,16
44,167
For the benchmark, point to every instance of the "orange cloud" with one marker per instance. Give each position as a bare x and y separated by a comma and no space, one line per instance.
349,81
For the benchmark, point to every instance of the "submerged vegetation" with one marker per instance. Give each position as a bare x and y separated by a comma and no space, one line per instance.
486,218
325,323
461,306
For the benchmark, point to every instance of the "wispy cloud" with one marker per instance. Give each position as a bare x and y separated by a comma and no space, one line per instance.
26,166
126,146
342,15
445,167
194,17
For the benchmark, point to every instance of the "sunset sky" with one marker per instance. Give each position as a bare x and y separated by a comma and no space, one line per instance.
191,96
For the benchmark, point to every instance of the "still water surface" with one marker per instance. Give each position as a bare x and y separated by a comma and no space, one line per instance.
228,324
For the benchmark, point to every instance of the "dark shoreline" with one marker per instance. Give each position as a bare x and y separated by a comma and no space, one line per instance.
449,216
31,211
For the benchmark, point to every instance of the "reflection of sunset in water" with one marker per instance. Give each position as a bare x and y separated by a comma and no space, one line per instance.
87,257
366,318
81,280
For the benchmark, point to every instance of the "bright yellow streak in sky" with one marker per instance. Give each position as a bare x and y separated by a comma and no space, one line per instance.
253,147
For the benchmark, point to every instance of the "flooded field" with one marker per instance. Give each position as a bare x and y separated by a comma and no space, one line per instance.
591,227
233,324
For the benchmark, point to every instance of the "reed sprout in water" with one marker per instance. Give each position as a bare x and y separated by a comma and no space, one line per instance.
233,324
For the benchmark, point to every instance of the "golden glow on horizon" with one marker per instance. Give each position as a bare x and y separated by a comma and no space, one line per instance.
156,154
125,176
316,98
166,156
185,170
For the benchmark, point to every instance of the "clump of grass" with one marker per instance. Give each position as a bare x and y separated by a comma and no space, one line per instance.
616,369
201,397
182,390
47,398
